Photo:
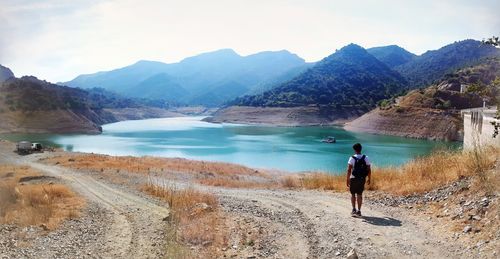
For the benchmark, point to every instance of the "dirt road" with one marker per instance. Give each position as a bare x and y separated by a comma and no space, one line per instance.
137,222
311,224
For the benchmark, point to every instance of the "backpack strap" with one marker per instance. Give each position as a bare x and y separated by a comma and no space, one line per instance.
355,158
363,158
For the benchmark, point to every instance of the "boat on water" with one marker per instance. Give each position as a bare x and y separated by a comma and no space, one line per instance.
329,139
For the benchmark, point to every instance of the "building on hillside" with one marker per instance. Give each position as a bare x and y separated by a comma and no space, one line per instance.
478,127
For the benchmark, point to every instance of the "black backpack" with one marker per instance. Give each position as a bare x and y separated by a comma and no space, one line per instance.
360,169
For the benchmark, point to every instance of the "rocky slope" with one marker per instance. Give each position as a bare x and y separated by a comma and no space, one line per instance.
283,116
410,122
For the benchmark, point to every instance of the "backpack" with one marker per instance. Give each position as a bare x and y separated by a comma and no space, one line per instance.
360,169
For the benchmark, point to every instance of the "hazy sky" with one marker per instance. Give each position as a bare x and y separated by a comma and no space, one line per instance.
58,40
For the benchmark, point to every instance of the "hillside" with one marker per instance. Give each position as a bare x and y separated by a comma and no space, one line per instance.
391,55
34,106
432,65
208,79
29,105
350,77
5,73
433,112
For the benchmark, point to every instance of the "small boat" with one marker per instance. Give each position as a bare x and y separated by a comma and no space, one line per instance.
329,140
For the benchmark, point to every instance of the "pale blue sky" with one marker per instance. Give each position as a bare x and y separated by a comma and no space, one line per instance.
60,39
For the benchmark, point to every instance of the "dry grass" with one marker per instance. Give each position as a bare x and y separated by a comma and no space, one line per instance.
196,220
417,176
146,165
237,183
40,204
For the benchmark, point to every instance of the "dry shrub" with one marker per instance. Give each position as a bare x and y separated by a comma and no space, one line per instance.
195,217
34,204
290,182
429,172
419,175
324,181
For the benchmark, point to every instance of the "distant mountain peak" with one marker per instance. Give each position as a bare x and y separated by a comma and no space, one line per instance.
391,55
352,47
5,73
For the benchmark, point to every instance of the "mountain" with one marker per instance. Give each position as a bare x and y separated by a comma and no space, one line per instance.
5,73
163,84
222,74
350,77
391,55
432,65
434,112
119,79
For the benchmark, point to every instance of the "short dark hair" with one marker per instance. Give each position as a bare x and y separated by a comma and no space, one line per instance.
357,147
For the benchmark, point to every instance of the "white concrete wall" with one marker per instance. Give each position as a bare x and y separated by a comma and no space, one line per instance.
478,130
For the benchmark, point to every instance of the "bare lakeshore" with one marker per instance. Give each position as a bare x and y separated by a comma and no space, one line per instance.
167,207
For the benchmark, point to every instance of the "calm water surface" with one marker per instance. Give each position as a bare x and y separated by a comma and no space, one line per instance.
287,148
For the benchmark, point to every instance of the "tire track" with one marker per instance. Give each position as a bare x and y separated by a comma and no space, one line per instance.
135,219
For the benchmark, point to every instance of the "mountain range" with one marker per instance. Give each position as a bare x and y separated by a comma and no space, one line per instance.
352,76
355,77
208,79
349,77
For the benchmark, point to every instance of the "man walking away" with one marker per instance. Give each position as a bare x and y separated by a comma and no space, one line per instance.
358,170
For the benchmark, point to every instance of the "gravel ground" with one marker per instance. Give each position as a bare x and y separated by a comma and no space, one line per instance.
77,238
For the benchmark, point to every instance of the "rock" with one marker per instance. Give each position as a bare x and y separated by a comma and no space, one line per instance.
44,227
476,217
467,229
337,253
352,254
203,206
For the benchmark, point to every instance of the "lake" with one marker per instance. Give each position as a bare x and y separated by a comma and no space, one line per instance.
286,148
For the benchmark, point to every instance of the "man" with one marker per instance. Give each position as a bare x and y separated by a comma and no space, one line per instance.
358,170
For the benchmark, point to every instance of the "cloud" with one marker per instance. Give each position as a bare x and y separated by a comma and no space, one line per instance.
58,40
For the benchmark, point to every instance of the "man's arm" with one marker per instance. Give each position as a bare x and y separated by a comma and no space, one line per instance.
369,174
349,170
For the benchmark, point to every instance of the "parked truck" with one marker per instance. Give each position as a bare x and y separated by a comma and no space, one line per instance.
26,147
23,147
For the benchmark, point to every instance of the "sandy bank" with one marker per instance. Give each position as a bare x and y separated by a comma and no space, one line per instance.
283,116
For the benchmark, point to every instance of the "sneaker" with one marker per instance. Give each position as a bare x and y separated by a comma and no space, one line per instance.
353,212
358,213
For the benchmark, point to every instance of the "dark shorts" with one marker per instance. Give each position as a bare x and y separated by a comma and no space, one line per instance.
357,185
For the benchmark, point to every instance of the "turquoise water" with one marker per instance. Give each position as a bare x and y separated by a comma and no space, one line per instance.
286,148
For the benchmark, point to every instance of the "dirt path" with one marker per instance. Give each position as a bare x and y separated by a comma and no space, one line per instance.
309,224
137,227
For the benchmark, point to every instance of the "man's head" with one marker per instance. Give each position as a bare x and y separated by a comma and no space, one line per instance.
357,148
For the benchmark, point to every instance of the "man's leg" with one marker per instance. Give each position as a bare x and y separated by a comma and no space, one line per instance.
353,200
360,200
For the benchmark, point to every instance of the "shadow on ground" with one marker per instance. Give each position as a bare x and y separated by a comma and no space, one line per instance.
385,221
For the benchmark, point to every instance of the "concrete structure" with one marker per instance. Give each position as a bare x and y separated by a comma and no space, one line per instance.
478,127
